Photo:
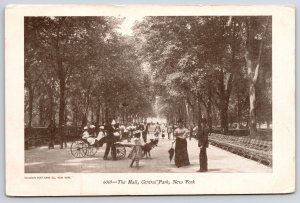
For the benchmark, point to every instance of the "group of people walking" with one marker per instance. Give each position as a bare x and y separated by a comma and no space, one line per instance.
112,132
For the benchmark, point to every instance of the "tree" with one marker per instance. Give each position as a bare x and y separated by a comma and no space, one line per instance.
256,30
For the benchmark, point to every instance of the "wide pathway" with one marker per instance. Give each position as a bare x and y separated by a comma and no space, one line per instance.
42,160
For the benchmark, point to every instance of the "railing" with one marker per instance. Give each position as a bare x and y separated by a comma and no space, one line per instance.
264,134
258,150
39,136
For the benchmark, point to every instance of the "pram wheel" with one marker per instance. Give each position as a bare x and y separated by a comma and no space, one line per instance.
79,148
91,151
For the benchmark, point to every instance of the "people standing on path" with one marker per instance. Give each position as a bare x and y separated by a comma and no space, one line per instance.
181,153
203,144
110,140
51,131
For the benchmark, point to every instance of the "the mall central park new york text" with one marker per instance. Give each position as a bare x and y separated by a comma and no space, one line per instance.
149,182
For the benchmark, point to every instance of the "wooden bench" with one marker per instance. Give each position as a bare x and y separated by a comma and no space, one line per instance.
258,150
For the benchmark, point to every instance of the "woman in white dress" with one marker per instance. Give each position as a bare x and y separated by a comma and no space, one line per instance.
181,153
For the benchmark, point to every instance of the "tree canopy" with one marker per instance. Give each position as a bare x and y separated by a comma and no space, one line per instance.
81,70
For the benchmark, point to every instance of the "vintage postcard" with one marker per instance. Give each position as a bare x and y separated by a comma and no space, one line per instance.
149,99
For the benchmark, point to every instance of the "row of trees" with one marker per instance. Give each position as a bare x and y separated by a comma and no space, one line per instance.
214,67
80,70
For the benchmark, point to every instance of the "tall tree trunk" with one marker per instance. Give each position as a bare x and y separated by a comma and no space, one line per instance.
188,114
62,85
252,113
61,114
106,115
199,115
209,116
30,105
98,112
41,111
225,85
253,62
224,117
51,104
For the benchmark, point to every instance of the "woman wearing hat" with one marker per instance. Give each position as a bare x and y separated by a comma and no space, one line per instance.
181,153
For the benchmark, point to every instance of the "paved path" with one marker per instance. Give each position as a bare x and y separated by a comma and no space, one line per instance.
60,160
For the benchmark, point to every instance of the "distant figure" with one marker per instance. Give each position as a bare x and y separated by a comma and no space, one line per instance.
63,137
169,130
145,132
157,130
203,144
163,134
181,153
51,131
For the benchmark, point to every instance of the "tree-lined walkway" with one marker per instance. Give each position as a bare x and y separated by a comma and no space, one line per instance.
60,160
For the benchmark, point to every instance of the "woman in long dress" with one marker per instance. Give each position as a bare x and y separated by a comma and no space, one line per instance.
181,153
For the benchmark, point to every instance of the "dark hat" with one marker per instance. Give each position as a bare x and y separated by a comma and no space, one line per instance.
179,120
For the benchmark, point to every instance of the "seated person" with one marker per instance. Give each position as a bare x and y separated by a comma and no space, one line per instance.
88,134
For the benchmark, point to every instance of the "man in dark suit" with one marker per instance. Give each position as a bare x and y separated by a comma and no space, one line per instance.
110,140
51,131
145,131
203,144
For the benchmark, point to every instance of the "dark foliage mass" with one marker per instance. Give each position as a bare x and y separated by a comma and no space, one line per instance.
81,70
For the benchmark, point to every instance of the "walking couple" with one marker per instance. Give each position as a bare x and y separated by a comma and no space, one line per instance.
181,152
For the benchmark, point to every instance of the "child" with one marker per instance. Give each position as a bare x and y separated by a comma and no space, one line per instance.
136,153
163,134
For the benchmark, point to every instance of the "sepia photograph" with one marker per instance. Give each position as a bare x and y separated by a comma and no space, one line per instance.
149,97
148,94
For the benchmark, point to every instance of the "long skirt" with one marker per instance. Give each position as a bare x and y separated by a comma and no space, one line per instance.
181,153
136,153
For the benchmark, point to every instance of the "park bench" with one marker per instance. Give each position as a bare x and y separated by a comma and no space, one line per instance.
258,150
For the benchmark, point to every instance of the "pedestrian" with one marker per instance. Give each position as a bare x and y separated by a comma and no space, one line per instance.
51,131
63,136
157,130
163,134
191,132
181,153
145,132
169,130
203,144
136,153
110,140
